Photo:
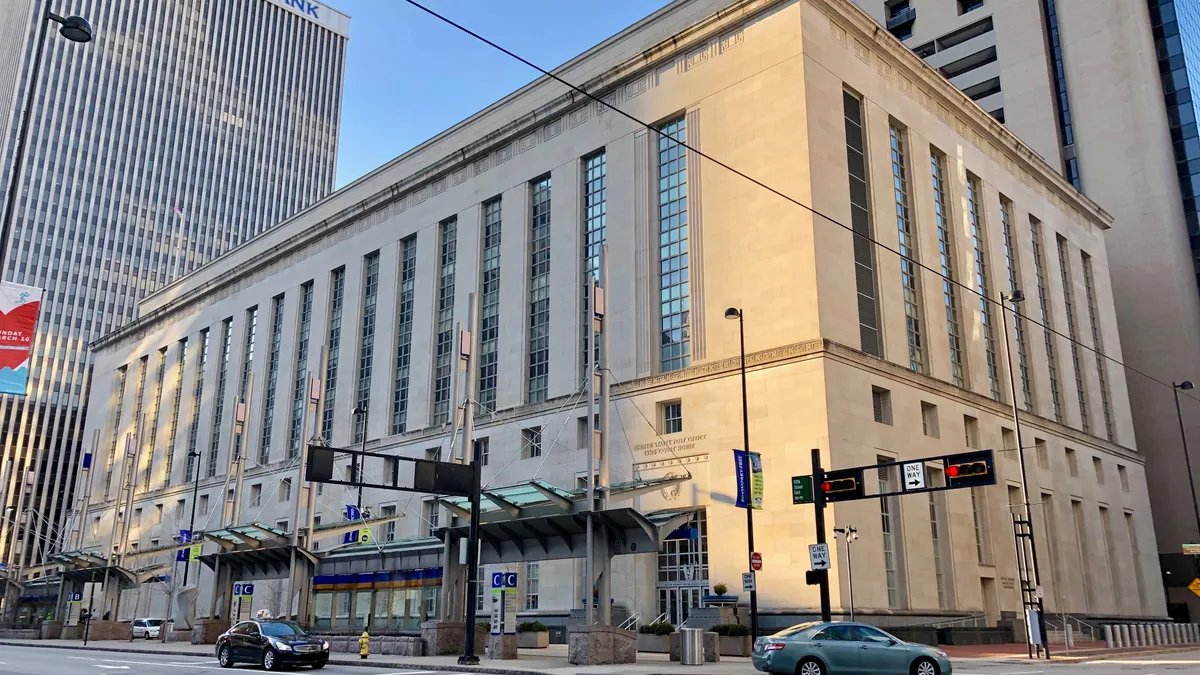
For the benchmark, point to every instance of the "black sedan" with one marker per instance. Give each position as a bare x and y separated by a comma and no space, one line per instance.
273,644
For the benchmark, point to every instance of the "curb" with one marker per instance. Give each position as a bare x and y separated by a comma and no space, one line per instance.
1128,655
335,661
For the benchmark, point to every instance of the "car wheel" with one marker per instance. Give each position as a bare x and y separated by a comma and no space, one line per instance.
924,666
319,665
810,666
270,660
225,658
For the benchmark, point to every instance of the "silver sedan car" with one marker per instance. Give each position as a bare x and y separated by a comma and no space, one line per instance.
841,648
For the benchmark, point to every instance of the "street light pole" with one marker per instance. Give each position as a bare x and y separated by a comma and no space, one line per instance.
736,313
1015,297
194,457
75,29
851,535
358,464
1186,385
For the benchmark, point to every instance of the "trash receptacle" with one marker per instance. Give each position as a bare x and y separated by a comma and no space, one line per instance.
691,646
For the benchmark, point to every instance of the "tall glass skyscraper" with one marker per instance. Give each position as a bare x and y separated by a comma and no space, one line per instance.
182,130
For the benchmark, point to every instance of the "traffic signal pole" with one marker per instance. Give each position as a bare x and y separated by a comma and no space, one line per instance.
819,515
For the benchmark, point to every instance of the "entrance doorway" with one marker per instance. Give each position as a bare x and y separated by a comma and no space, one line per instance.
677,603
683,570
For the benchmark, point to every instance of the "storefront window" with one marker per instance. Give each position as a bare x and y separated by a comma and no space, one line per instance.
383,601
362,609
342,618
323,610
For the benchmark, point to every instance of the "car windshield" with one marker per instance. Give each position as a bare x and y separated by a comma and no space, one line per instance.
798,628
154,622
281,629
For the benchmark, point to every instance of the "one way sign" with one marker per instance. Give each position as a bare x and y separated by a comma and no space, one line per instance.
914,476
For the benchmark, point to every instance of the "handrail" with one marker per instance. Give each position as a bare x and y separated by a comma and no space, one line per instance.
631,623
973,617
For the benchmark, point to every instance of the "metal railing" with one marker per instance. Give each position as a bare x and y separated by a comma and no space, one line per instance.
973,619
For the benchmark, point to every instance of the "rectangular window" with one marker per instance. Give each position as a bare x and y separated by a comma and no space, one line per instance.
482,450
244,389
939,536
366,342
881,403
1081,539
595,216
432,517
1089,286
180,504
193,457
489,307
264,447
672,417
1064,267
1035,234
978,239
285,490
892,539
531,585
531,442
445,357
404,318
946,248
1110,553
909,269
1043,454
860,222
137,517
673,247
971,432
158,513
1135,551
203,505
983,548
389,530
122,374
1098,467
173,425
929,420
219,402
1012,257
300,380
1123,476
1008,443
159,379
538,356
283,525
333,344
256,494
1072,463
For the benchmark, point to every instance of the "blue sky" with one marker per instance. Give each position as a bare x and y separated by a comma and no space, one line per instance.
409,76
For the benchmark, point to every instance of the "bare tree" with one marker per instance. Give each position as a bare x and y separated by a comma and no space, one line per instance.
170,587
274,594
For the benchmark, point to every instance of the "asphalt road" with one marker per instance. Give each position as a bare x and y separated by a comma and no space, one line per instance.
1166,664
42,661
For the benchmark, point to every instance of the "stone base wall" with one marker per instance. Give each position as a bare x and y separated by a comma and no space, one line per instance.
52,630
502,647
535,640
390,645
600,645
179,635
72,632
20,634
443,637
734,646
206,631
654,644
110,630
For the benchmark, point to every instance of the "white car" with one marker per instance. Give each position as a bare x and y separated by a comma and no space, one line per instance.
147,628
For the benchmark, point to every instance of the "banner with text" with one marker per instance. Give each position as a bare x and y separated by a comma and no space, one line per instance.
743,478
756,481
18,317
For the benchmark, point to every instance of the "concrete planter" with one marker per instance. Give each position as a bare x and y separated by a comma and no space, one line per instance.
655,644
734,646
533,639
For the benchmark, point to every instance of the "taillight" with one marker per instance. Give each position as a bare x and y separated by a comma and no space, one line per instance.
772,646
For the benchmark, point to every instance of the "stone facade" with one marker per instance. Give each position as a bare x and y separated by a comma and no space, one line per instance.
811,381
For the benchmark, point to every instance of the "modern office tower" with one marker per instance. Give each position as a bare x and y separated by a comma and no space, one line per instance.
869,356
1102,89
181,131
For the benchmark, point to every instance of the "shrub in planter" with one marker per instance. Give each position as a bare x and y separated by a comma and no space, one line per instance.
720,589
532,627
731,630
659,628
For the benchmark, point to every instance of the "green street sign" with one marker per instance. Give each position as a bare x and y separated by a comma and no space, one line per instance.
802,490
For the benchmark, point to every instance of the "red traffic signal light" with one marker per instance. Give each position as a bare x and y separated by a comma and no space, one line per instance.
842,485
839,485
969,469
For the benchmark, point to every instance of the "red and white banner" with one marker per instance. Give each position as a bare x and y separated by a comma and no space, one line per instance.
18,318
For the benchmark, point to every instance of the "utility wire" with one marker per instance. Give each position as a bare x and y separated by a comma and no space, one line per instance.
777,192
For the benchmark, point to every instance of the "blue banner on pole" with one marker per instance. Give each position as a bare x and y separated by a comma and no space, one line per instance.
741,470
87,460
352,512
185,536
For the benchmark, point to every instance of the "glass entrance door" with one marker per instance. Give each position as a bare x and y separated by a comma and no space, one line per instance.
677,603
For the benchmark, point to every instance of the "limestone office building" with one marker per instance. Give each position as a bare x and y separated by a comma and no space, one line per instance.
851,348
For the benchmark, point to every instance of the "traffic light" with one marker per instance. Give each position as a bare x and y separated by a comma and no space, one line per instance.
843,485
970,469
815,577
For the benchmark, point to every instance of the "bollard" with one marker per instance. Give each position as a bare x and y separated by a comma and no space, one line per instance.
1116,634
1141,634
1125,637
1108,636
1160,634
1156,633
1070,638
1194,632
1176,638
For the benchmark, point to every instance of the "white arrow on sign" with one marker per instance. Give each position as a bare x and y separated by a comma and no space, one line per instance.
914,476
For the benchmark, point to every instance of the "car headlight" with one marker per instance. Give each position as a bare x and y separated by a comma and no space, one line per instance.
282,646
325,645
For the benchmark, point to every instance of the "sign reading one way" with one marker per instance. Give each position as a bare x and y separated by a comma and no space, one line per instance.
914,476
747,582
818,556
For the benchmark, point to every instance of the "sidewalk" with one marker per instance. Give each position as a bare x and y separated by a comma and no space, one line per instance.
1082,652
550,661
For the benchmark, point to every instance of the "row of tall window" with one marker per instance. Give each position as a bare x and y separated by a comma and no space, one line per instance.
982,282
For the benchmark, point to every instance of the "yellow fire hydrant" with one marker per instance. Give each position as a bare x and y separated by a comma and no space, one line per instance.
364,645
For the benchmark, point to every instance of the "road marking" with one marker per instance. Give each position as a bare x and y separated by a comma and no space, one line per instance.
202,664
410,672
1024,672
101,665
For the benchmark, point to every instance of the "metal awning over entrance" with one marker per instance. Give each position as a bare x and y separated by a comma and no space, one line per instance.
87,566
562,536
261,563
